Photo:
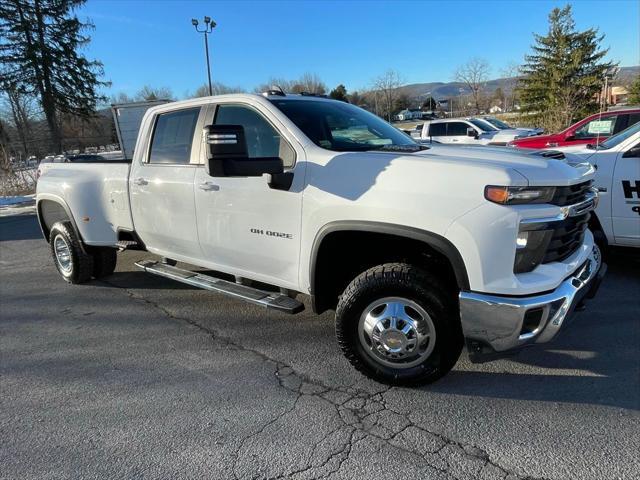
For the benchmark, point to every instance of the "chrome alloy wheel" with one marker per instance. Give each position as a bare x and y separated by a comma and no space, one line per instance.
63,254
397,332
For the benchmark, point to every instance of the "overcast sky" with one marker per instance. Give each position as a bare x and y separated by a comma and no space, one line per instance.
154,43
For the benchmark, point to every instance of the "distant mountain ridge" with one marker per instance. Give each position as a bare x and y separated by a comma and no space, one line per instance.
444,90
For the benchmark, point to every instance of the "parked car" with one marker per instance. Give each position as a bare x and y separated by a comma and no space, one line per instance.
500,125
417,253
466,131
416,132
616,220
593,129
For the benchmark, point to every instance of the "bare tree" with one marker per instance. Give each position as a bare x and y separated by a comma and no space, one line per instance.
309,83
510,73
19,107
282,83
217,88
474,75
386,91
150,93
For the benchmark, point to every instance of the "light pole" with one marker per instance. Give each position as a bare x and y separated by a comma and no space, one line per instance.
208,28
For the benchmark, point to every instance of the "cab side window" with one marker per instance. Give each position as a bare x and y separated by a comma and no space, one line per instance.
173,137
263,140
456,129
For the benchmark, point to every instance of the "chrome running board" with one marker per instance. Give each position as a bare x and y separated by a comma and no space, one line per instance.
272,300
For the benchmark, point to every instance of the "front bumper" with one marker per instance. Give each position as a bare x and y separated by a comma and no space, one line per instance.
493,324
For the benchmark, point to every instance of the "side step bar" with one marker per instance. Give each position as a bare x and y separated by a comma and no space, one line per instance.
272,300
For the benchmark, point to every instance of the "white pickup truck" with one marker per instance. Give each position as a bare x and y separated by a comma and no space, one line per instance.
616,221
416,252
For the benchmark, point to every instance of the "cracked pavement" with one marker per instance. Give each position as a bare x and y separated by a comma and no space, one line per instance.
140,377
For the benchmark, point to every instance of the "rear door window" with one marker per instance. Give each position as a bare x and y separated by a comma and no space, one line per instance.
173,137
437,129
633,119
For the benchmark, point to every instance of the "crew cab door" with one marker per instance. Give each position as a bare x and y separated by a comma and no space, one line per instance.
626,196
245,227
161,183
457,132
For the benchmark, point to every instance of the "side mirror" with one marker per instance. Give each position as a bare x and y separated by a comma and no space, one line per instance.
570,136
228,156
471,132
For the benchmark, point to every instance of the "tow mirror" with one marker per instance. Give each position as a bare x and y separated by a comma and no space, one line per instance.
228,156
471,132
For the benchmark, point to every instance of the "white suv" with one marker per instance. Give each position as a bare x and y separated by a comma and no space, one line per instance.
475,131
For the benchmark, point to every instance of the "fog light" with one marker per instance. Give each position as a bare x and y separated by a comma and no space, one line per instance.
521,241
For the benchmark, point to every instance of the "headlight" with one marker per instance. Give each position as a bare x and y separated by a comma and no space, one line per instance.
518,195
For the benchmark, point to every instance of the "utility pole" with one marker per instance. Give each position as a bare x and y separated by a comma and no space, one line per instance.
208,28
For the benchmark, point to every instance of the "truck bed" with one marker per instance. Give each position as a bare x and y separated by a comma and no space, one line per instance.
98,219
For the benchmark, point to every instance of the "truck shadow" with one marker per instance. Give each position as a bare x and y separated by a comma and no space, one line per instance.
19,227
596,358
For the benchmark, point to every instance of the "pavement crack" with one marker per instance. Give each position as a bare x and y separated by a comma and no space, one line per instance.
363,415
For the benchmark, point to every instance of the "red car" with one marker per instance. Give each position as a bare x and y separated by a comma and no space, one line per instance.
593,129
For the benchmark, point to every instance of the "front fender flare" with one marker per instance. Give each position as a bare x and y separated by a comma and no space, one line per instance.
435,241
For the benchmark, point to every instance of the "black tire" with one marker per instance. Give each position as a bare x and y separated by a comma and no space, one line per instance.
104,261
80,264
422,289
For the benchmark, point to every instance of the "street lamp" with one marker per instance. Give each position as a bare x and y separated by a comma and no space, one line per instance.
209,25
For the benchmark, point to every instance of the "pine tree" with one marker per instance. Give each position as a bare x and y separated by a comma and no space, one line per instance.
339,93
634,92
40,47
564,74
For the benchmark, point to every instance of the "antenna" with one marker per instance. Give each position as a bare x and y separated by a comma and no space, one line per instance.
274,90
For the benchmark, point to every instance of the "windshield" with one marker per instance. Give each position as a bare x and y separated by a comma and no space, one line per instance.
483,125
497,123
618,138
342,127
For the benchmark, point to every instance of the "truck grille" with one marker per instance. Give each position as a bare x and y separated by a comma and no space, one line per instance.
567,237
572,194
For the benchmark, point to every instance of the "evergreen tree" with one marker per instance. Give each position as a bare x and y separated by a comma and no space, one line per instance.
339,93
429,104
564,74
634,92
39,49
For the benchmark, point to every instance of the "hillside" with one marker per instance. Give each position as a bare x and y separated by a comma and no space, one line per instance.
443,90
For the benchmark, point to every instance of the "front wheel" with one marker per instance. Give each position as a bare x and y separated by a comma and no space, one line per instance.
397,325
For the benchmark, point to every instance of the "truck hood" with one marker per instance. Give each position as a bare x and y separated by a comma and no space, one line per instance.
577,153
536,140
538,171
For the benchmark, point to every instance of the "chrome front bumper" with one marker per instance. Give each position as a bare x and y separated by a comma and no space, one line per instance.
495,324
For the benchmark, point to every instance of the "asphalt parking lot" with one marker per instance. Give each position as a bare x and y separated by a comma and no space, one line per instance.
140,377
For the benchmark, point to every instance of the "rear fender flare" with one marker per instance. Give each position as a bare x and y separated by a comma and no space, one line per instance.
63,204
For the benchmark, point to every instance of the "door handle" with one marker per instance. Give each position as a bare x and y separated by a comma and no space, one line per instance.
140,181
208,187
602,189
